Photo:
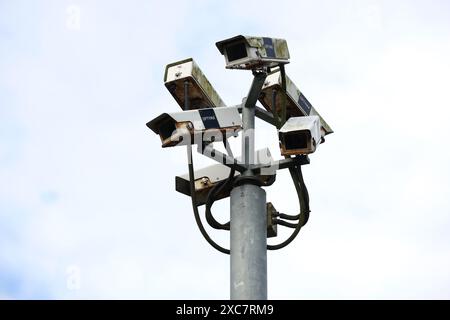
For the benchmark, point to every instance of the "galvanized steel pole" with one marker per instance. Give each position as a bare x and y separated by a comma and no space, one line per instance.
248,226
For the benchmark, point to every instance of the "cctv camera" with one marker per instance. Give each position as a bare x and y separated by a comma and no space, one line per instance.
201,93
296,103
250,53
300,135
205,179
194,126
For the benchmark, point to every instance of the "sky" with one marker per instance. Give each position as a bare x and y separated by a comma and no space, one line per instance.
88,208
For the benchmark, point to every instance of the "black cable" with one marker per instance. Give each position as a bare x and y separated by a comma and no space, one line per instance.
287,216
302,193
286,224
216,190
305,193
195,207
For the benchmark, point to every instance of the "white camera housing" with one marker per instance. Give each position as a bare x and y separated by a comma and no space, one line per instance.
201,93
300,135
249,53
196,126
206,178
296,103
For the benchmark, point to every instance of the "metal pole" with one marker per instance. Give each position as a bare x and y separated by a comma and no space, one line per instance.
248,243
248,226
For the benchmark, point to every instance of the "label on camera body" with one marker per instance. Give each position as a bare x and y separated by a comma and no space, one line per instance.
268,45
209,118
304,104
